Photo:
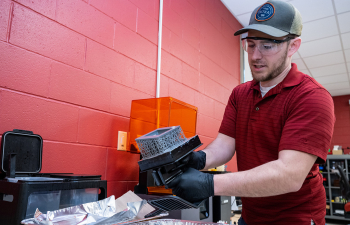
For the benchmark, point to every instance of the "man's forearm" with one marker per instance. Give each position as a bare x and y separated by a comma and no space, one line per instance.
214,158
220,151
262,181
281,176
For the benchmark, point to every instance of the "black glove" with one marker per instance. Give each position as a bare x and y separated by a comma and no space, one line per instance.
193,185
196,160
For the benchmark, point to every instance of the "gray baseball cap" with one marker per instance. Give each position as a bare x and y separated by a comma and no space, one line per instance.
275,18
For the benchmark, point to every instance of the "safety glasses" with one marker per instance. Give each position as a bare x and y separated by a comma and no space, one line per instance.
265,46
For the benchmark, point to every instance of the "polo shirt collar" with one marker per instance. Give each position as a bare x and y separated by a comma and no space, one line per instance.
293,78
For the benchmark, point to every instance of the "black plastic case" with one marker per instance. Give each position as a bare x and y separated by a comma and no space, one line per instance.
27,148
21,162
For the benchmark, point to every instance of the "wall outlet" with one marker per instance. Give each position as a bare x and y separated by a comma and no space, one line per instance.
122,138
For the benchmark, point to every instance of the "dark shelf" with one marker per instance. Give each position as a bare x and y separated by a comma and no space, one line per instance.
332,191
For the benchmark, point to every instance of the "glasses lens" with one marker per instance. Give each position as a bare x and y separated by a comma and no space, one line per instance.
268,48
248,46
264,47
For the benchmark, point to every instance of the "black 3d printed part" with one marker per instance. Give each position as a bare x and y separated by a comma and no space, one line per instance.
172,156
170,202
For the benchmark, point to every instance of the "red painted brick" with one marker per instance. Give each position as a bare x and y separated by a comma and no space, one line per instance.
39,34
148,7
341,99
205,140
5,6
202,79
61,157
50,119
122,166
184,51
145,79
131,185
191,56
171,66
232,164
212,89
86,20
190,76
76,86
100,128
197,16
343,115
226,80
121,98
201,125
235,82
135,46
209,37
24,71
341,131
177,45
212,13
341,123
206,105
221,8
219,110
185,10
210,68
227,94
200,5
107,63
172,20
122,11
147,26
231,65
207,126
164,86
157,5
229,47
116,188
44,7
196,3
226,30
191,35
166,38
181,92
231,20
228,17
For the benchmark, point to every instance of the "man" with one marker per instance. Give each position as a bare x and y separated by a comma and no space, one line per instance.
280,125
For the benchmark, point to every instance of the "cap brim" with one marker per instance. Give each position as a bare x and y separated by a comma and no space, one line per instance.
274,32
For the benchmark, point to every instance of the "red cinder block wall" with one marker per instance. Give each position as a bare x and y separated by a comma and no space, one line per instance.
70,69
341,135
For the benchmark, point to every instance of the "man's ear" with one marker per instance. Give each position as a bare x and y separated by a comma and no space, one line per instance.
294,46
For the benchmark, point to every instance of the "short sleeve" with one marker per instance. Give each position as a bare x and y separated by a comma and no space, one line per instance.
228,124
309,124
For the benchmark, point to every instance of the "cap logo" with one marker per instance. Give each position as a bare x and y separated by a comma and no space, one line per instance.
265,12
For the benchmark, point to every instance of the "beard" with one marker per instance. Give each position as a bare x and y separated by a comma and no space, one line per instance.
277,68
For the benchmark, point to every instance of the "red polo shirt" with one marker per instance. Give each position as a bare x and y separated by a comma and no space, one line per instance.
297,114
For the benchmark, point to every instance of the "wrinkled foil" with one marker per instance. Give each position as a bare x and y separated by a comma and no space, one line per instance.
172,222
95,213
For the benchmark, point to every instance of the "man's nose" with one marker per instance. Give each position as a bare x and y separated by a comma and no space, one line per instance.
256,54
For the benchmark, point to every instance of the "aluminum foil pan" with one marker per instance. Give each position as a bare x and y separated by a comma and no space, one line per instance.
95,213
172,222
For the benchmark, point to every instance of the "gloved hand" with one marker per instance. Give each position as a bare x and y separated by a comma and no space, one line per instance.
195,160
193,185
